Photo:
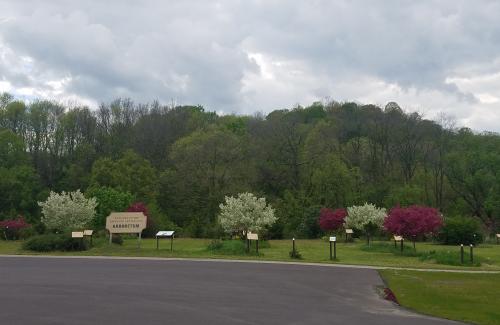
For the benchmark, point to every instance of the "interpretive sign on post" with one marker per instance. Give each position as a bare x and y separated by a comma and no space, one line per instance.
165,234
126,223
252,236
88,233
77,234
333,240
348,234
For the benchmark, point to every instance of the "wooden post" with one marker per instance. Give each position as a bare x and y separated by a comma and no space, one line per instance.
462,253
110,237
139,241
335,250
257,246
402,244
330,250
172,243
471,253
157,243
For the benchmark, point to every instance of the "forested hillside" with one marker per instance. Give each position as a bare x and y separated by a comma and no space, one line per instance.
182,161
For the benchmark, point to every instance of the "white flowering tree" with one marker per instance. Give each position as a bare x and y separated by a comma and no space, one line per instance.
244,213
67,211
367,218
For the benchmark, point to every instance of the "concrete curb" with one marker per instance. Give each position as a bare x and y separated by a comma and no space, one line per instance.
215,260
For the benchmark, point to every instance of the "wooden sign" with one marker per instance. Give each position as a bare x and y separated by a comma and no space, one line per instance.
126,222
77,234
333,238
398,238
88,232
348,231
252,236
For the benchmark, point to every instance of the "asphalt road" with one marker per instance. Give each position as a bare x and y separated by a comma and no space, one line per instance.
108,291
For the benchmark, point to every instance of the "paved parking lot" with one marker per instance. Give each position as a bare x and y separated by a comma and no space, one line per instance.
119,291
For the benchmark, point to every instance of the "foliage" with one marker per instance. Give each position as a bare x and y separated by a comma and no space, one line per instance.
230,247
117,239
330,220
12,228
413,221
244,213
460,230
131,173
150,225
67,211
183,160
54,242
295,254
451,257
108,200
367,218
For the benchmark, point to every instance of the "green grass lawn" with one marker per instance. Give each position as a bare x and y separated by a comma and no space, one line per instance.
472,298
381,253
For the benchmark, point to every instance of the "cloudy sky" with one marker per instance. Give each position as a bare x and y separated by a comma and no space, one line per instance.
246,56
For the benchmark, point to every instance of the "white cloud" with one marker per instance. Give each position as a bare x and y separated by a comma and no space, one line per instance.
246,56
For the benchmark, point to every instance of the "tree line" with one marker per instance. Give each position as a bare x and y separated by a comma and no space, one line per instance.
182,161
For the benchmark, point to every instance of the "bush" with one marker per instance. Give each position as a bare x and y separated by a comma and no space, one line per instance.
12,228
231,247
460,230
330,220
67,211
54,242
295,254
27,232
109,200
117,239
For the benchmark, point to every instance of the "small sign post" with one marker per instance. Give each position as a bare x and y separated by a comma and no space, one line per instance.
498,238
462,253
333,240
471,254
88,233
252,236
165,234
78,234
348,234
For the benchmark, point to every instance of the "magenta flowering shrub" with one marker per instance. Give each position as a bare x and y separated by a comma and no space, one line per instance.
330,220
413,221
141,207
12,227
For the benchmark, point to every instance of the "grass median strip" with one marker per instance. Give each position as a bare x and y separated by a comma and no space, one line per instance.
470,298
316,251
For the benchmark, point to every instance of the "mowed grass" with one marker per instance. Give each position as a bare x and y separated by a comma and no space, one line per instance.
472,298
278,250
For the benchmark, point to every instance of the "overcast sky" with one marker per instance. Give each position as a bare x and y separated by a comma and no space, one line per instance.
247,56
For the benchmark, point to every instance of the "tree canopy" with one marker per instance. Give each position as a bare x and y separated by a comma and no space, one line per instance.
184,160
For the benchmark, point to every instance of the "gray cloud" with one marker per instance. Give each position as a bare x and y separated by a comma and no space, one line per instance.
243,56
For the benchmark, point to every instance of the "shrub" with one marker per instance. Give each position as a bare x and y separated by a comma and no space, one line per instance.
295,254
12,228
239,215
330,220
150,230
413,221
367,218
67,211
109,200
117,239
460,230
54,242
309,227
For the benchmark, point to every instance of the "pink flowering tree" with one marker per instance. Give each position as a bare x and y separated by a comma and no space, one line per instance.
331,220
141,207
413,221
12,227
